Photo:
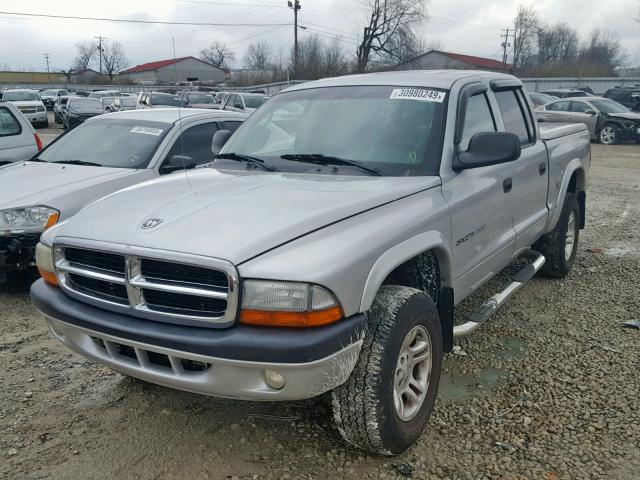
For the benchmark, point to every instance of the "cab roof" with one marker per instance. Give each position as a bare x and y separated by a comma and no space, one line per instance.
443,79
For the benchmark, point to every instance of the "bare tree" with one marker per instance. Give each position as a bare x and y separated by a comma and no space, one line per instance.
113,58
218,54
557,44
85,53
389,33
335,61
68,73
5,66
524,35
310,58
601,53
258,56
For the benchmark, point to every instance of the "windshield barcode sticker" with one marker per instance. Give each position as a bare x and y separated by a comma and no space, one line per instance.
156,132
418,94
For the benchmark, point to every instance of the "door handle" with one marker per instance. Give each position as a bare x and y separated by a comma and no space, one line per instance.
542,168
507,184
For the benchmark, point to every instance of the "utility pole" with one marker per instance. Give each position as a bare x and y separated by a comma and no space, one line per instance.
46,56
100,39
295,5
505,45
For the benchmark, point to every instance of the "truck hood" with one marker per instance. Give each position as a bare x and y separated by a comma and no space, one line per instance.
36,183
233,215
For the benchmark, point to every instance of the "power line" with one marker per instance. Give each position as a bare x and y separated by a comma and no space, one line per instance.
152,22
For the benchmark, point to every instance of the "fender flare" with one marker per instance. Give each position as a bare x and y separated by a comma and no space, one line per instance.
572,167
399,254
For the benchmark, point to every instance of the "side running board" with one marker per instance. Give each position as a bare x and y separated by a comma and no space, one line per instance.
489,307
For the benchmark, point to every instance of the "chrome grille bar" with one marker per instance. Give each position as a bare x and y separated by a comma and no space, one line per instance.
217,304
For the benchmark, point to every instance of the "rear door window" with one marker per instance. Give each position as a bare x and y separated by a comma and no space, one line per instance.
559,106
237,102
478,119
195,142
514,115
9,124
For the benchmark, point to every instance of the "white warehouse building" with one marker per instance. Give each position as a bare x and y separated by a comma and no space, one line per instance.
184,69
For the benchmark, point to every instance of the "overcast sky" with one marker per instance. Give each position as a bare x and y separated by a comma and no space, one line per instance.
461,26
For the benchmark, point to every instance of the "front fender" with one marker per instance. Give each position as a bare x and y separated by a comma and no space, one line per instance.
558,187
401,253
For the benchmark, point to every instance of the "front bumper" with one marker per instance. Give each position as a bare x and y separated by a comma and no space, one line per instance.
17,253
36,118
227,363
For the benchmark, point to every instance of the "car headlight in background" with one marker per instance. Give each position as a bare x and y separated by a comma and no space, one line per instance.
288,304
629,124
44,262
40,109
27,219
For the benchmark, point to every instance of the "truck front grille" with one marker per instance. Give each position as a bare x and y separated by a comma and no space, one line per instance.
148,287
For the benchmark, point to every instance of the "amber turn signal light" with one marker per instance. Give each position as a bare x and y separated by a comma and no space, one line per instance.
291,319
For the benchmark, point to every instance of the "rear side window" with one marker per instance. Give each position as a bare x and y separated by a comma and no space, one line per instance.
195,142
559,106
9,125
477,119
514,115
237,102
579,107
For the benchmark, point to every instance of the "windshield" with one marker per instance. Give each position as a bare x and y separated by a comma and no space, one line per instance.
49,93
128,101
106,101
117,143
254,102
21,97
397,131
88,105
199,98
609,106
167,100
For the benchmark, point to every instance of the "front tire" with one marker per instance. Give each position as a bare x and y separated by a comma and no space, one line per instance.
609,135
561,244
385,404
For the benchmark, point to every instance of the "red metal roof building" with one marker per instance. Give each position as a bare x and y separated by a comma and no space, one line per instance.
182,69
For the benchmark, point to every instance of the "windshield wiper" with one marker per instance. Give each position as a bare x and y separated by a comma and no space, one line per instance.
246,158
79,162
320,159
36,159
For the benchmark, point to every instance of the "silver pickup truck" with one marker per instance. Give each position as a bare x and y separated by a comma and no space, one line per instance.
327,247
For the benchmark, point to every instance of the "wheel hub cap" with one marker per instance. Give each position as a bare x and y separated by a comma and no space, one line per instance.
413,370
607,135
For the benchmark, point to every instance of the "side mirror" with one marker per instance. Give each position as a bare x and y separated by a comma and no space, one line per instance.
488,148
590,111
177,163
220,138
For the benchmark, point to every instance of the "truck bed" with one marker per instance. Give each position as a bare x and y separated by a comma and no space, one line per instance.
551,131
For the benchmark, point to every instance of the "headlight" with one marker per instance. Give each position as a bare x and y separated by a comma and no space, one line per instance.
40,109
27,219
44,262
629,124
287,304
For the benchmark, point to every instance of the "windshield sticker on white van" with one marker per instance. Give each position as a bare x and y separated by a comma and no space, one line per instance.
418,94
156,132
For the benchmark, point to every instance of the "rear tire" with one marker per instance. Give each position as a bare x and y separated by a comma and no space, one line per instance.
561,244
385,404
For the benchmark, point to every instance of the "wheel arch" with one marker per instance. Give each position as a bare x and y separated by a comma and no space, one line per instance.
399,255
574,181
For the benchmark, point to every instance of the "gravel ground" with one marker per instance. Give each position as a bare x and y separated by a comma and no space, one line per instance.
548,389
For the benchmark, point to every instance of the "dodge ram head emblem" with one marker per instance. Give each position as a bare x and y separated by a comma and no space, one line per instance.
151,223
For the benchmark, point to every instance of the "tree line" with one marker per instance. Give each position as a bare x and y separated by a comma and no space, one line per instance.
542,49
